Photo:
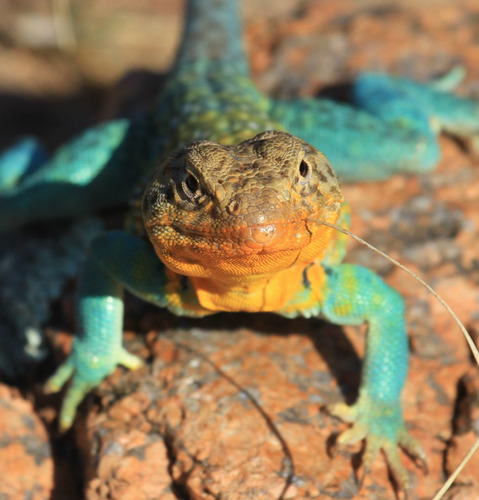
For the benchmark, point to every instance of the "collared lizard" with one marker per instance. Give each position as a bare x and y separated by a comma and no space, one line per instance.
204,218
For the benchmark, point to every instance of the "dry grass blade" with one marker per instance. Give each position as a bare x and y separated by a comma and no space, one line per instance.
459,468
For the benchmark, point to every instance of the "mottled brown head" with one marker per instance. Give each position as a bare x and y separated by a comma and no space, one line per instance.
212,210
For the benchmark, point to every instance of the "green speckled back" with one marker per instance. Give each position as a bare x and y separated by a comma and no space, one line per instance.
215,106
209,94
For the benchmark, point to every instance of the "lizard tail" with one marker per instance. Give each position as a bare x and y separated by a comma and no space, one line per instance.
212,36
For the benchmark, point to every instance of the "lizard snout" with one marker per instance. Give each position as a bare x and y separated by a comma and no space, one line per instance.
262,235
258,218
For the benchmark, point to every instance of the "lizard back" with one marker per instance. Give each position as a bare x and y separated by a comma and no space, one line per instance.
209,94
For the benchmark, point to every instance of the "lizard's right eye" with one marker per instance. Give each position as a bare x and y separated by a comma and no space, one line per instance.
191,186
305,170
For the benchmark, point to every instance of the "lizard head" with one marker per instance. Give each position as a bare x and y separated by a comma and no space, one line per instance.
242,210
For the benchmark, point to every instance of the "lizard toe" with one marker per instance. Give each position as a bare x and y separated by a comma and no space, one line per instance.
414,449
129,360
60,377
86,369
74,396
343,411
382,427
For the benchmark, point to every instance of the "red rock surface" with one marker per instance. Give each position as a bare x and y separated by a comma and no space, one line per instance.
26,465
233,406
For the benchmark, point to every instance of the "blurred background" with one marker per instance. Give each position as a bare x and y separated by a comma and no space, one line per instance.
63,62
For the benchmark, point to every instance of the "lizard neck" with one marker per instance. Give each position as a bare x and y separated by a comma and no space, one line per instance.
256,293
212,37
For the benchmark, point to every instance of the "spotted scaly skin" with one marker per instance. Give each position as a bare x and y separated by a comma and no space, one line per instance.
232,212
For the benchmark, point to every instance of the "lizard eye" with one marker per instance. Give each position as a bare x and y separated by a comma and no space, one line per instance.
191,186
305,170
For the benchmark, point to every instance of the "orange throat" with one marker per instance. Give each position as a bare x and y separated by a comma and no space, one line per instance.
261,282
266,293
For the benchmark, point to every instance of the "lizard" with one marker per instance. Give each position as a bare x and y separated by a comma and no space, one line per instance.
233,208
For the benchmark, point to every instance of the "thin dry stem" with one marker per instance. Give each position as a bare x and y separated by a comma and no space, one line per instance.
457,471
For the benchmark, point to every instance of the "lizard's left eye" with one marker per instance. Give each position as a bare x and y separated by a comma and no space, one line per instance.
305,170
191,186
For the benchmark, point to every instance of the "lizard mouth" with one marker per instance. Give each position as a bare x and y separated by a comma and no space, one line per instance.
258,238
236,251
254,237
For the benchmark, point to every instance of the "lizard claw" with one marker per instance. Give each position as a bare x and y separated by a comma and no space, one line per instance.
414,449
382,427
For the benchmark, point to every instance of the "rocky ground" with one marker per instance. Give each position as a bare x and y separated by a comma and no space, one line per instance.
233,406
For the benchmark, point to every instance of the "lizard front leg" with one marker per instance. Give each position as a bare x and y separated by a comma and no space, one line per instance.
94,170
116,261
354,295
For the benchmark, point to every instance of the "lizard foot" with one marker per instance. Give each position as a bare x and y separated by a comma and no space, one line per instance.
87,369
382,426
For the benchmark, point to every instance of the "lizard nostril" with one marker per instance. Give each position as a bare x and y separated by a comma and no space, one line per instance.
234,207
264,234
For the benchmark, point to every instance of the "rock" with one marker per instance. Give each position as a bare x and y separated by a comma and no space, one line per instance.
242,415
26,463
